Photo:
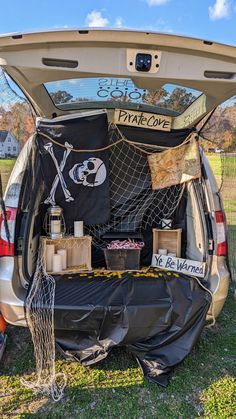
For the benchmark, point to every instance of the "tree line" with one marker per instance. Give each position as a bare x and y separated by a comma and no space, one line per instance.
220,131
18,120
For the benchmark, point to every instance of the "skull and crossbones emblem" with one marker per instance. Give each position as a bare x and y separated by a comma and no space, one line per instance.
91,172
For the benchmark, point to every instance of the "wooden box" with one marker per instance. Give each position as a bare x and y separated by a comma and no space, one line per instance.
78,252
167,239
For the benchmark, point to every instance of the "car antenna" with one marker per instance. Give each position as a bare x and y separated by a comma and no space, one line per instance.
4,213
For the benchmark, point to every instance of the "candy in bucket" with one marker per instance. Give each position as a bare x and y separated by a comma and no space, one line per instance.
123,255
125,244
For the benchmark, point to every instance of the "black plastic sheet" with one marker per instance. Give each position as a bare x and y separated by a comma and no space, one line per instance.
157,315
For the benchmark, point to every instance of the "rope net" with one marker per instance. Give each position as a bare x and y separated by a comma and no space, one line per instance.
219,141
8,96
15,111
39,308
228,193
134,206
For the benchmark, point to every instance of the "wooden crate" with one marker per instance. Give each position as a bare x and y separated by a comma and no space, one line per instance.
167,239
78,252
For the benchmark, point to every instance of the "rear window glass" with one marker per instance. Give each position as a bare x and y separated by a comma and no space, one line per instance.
118,92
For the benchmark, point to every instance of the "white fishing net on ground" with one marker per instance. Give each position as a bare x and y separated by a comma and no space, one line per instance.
39,307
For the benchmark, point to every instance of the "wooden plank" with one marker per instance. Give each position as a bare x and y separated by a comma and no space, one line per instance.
142,120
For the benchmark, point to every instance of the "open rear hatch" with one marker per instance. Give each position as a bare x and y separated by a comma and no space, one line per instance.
113,106
102,176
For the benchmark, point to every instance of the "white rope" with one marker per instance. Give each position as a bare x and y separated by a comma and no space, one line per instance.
39,307
134,206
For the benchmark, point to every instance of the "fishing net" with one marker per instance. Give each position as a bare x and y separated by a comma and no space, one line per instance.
228,192
15,118
219,142
8,96
134,205
15,111
39,308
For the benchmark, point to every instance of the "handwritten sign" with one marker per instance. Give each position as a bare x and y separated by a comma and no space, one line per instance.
142,120
184,266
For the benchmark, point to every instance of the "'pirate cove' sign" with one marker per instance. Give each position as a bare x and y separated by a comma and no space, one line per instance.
184,266
142,120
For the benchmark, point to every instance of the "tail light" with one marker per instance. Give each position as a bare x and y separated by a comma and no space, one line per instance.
3,324
7,249
221,244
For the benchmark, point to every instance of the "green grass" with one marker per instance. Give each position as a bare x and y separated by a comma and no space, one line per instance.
6,166
215,162
204,385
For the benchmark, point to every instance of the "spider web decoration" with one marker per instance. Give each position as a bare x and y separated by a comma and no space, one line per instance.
134,205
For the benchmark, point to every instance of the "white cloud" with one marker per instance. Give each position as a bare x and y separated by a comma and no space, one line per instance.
73,81
162,25
95,19
119,22
219,10
156,2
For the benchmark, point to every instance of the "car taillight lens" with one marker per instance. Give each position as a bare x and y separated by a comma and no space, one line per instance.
5,248
221,245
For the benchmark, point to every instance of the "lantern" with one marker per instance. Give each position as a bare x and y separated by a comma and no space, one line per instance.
54,224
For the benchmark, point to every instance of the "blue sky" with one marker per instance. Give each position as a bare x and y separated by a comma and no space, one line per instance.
208,19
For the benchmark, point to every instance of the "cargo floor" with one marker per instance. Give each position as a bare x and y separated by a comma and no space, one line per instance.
111,288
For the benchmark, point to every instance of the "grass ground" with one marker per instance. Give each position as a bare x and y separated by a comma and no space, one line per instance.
203,385
215,162
6,167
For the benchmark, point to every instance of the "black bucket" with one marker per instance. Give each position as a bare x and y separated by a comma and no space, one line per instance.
122,259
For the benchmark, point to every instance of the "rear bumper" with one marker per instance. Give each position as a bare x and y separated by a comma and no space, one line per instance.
13,314
12,306
11,293
219,281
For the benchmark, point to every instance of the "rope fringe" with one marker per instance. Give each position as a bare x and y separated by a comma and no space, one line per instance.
121,139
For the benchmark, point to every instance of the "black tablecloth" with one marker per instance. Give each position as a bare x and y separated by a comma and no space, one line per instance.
157,315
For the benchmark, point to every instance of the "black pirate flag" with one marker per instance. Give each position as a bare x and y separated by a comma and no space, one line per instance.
74,162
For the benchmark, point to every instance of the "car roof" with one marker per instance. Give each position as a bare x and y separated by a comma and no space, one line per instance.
194,63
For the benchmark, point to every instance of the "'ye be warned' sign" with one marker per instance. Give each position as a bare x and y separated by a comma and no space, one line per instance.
142,120
184,266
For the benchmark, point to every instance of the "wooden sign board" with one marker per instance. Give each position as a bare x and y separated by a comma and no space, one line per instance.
184,266
142,120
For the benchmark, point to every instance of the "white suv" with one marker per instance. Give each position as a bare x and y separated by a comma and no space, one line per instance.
80,71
